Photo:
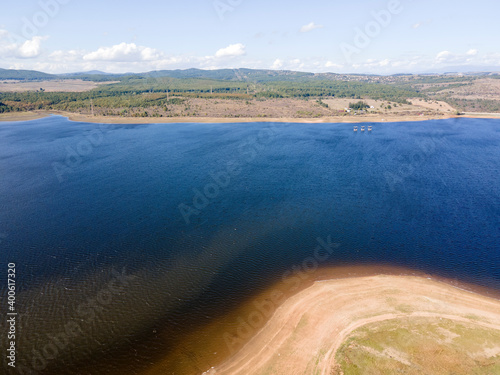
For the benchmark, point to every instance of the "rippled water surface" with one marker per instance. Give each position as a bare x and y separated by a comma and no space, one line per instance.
125,237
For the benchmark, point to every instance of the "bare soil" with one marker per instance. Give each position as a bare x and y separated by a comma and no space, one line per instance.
487,88
270,110
65,85
305,333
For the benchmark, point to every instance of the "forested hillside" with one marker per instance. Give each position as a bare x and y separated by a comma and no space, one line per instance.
129,94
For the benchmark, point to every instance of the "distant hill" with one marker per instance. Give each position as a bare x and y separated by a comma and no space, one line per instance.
465,69
33,75
251,75
25,75
90,72
93,75
254,76
242,75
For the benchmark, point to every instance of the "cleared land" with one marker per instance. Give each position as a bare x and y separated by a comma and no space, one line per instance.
368,324
66,85
273,110
486,88
467,95
433,105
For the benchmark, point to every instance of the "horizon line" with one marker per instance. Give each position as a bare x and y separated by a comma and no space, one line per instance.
490,71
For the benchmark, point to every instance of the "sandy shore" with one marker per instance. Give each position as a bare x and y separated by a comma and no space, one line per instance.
25,116
22,116
234,340
308,328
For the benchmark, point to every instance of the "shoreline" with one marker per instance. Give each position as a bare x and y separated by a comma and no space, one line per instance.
34,115
303,320
209,344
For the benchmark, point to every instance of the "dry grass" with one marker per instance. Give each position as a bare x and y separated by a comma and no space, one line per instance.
434,105
277,108
420,346
487,88
65,85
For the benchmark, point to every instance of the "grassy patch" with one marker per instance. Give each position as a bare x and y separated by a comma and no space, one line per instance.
420,346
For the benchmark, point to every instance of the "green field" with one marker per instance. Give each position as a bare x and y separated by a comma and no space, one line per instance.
420,346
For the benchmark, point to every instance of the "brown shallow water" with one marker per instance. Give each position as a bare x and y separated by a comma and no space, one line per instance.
207,346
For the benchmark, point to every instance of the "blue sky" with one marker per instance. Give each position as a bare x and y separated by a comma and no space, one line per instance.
386,36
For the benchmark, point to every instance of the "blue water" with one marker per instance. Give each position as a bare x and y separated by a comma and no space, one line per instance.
80,202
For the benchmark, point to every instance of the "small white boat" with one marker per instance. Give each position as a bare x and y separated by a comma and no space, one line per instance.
369,128
355,128
362,128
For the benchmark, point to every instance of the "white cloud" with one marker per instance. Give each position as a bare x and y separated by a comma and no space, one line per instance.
443,56
278,64
231,51
124,52
374,64
31,48
446,57
310,27
26,49
330,64
384,62
64,56
419,24
27,54
293,64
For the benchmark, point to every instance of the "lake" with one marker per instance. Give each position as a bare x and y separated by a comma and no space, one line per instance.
127,237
